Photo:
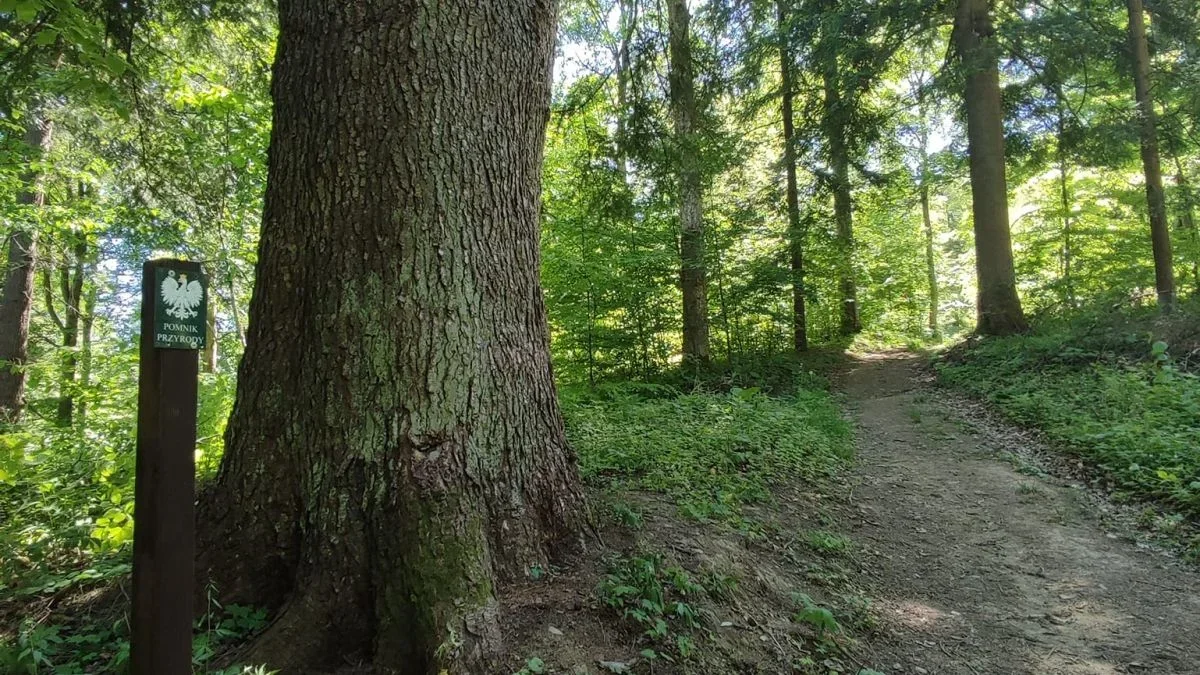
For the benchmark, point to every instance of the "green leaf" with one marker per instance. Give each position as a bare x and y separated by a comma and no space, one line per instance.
45,37
26,10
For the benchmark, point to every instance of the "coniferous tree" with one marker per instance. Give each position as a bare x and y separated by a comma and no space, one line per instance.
1160,234
795,231
686,116
998,307
396,449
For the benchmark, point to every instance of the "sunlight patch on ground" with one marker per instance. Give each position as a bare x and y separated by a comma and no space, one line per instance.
913,614
1058,662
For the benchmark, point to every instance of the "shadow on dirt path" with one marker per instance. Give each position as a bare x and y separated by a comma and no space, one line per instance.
977,568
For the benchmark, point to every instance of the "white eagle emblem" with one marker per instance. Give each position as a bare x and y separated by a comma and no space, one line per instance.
181,296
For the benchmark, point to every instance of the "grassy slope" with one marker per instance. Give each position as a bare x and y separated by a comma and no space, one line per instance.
1113,388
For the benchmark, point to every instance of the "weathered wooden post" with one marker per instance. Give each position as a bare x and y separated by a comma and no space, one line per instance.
174,299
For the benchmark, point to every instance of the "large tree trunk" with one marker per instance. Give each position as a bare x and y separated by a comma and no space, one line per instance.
795,233
396,449
686,115
927,219
16,300
1160,235
843,203
999,308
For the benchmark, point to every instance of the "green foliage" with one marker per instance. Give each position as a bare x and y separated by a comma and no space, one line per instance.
818,617
712,452
657,597
224,625
1104,389
627,515
95,646
66,495
533,666
827,542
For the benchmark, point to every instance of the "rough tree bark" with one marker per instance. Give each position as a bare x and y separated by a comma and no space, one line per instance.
999,307
843,202
16,300
795,234
926,217
686,116
396,449
1160,234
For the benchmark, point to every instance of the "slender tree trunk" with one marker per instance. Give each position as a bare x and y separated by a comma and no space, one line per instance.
693,277
930,264
843,202
930,258
85,351
627,25
1160,234
999,307
16,300
71,278
234,311
396,449
729,352
795,233
209,361
590,296
1064,193
1187,220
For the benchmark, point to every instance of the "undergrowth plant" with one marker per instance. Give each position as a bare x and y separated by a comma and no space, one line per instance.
94,645
659,598
712,451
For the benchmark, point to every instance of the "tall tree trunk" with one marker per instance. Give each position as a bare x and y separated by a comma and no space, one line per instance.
626,26
1187,220
927,219
843,203
71,278
1160,234
795,233
1064,194
686,115
85,351
396,449
999,307
636,307
234,311
16,300
209,362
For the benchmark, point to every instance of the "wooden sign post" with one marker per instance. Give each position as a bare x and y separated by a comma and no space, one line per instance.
174,303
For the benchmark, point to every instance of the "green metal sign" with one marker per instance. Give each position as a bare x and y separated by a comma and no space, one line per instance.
181,308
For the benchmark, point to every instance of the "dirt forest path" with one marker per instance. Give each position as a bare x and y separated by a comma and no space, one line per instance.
977,567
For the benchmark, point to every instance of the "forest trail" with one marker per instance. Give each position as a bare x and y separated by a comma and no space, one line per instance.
976,567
